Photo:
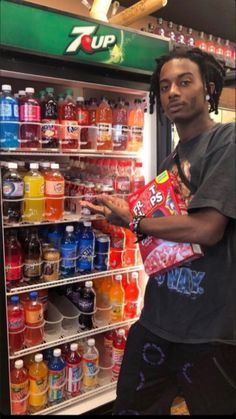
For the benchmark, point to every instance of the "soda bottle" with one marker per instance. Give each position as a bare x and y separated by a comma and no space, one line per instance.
159,30
34,320
47,355
21,95
108,338
200,42
122,182
13,258
180,38
49,116
82,115
86,304
132,297
19,386
12,192
16,324
30,112
44,167
68,252
170,32
90,362
119,126
117,298
190,41
33,195
42,100
73,371
9,119
69,129
54,194
118,349
86,248
211,48
138,180
102,317
219,49
104,125
55,236
56,377
92,107
136,123
22,169
228,52
33,257
38,383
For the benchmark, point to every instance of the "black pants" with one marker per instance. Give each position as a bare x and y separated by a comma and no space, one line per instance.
154,371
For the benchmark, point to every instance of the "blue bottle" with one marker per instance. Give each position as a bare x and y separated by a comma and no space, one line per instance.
78,233
68,252
56,377
86,248
55,236
9,113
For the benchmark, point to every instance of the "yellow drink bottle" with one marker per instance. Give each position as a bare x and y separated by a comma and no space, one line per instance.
117,299
38,384
33,195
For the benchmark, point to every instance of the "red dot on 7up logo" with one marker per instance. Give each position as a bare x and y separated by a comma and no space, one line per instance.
86,40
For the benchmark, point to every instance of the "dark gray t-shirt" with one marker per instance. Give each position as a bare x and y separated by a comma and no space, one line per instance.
196,302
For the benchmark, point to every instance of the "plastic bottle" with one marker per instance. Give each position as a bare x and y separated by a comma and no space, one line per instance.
136,123
12,191
104,125
211,48
19,386
122,182
138,180
54,194
56,377
201,42
180,38
55,236
13,258
117,298
118,349
119,126
49,116
170,32
9,119
34,320
219,49
86,304
47,355
92,131
190,41
30,112
68,252
34,195
44,167
38,383
228,52
70,129
73,371
159,30
16,324
82,116
102,317
132,297
86,248
90,362
108,338
33,257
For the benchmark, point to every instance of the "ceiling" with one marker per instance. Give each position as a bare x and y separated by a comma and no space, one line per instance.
211,16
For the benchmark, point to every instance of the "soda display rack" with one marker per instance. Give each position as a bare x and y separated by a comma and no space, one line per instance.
67,339
82,153
20,288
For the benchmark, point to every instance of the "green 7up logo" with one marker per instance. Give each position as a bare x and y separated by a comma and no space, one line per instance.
88,41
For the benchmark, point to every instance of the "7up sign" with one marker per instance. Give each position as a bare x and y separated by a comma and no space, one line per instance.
86,40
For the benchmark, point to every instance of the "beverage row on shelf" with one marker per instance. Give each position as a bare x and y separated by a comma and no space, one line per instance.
224,50
77,308
67,124
47,378
35,195
67,250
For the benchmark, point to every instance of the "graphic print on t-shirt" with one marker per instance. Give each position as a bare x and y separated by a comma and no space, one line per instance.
184,191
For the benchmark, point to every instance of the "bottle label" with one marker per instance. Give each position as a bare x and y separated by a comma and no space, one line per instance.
86,306
32,268
120,134
117,355
219,51
51,270
117,311
104,132
56,379
13,268
86,253
70,131
90,370
131,309
6,110
38,394
35,188
73,377
29,113
13,189
15,324
33,317
49,130
19,394
123,184
138,182
54,187
68,255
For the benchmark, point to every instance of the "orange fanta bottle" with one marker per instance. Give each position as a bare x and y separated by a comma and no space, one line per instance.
54,194
117,299
136,123
104,125
19,389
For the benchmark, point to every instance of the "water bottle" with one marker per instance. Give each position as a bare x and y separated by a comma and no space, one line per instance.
9,117
86,248
68,252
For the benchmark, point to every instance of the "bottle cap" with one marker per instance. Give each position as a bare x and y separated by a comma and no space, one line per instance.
69,229
38,357
134,275
80,99
69,92
91,342
121,332
33,295
87,223
89,284
74,347
118,277
57,352
29,90
19,363
85,211
44,163
54,166
6,87
12,165
49,89
21,93
15,299
34,165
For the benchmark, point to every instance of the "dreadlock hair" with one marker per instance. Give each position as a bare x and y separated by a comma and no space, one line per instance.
210,69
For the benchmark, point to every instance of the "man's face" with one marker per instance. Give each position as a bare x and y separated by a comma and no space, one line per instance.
182,91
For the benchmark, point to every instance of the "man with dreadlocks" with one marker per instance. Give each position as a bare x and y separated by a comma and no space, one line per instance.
184,343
